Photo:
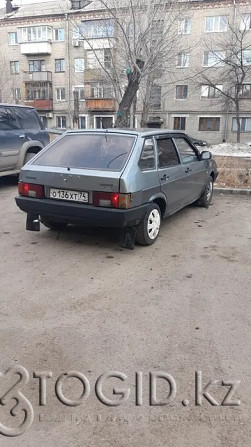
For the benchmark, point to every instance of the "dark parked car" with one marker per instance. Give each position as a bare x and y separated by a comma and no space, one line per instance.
198,142
22,135
127,179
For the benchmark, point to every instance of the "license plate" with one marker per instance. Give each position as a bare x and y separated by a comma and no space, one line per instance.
66,194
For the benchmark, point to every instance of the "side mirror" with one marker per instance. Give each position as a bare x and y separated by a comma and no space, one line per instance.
205,155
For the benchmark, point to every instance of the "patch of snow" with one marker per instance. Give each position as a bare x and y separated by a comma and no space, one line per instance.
231,149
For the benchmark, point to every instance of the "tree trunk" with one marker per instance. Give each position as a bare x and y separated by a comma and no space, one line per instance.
76,110
134,77
146,102
238,122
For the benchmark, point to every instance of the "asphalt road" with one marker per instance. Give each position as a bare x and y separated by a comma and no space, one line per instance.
77,302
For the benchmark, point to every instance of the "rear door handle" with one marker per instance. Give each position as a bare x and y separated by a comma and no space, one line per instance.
188,170
164,177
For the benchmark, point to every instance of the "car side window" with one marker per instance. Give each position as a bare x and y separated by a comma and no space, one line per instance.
187,152
7,122
147,158
167,153
13,118
28,118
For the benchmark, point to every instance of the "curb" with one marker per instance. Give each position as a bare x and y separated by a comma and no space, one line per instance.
246,192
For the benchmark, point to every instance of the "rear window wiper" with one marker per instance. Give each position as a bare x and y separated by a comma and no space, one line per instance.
120,155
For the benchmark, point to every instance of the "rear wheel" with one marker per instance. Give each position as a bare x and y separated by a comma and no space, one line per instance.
148,230
207,195
56,226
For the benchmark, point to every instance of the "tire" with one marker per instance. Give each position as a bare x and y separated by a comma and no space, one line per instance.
28,157
56,226
148,230
207,195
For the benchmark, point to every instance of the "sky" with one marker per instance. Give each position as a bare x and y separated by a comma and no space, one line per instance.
21,2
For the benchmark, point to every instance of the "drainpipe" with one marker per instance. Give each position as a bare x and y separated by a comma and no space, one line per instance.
68,68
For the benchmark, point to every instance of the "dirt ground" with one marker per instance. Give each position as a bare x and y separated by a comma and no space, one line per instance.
77,302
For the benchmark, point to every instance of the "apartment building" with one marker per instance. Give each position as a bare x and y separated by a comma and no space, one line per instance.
46,62
193,101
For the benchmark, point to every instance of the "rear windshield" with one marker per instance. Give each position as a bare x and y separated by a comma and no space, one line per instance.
94,151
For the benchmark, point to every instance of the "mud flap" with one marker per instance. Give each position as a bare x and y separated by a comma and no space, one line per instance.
32,222
127,238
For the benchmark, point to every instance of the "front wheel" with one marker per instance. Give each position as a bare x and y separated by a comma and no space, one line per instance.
207,195
148,230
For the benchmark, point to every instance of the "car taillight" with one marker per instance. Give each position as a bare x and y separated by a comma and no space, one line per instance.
30,190
111,199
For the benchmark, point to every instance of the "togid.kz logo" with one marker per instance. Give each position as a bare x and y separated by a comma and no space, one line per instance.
21,405
20,414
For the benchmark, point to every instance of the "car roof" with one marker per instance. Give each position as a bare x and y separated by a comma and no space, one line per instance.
16,105
128,131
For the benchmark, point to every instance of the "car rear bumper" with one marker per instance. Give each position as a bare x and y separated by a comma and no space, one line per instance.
75,213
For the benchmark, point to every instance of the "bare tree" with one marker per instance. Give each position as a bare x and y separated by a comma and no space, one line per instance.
229,60
143,43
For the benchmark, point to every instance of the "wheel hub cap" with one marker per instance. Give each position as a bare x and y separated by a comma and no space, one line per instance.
153,224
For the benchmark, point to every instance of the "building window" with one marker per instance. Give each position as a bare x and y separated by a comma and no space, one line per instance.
16,94
44,120
99,58
181,91
245,124
217,24
59,35
184,26
246,57
214,58
13,39
245,91
60,94
157,30
35,34
37,90
209,92
179,123
155,97
245,22
94,29
96,90
14,67
36,65
183,60
79,64
59,65
81,91
61,122
103,122
209,124
107,58
82,122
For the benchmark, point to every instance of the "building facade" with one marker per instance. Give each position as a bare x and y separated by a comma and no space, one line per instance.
47,63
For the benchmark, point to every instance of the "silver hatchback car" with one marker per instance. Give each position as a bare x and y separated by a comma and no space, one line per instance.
128,179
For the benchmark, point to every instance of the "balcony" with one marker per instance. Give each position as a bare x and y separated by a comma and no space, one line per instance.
100,104
29,48
40,104
38,76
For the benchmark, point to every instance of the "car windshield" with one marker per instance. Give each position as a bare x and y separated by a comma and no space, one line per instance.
92,151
